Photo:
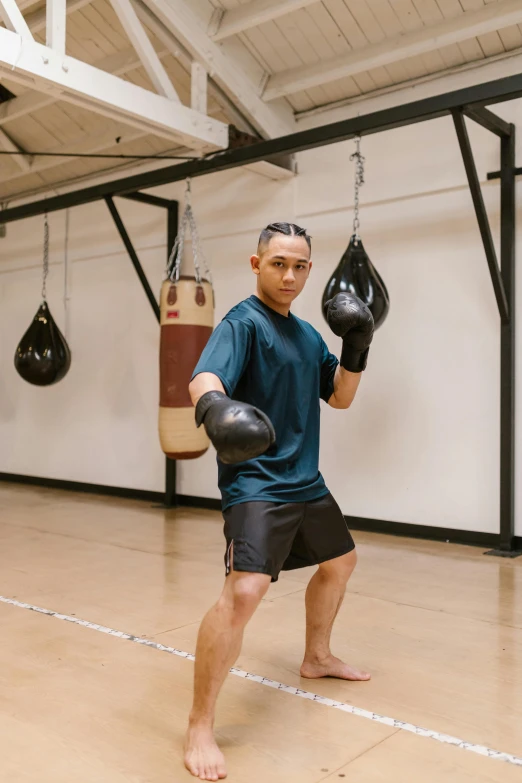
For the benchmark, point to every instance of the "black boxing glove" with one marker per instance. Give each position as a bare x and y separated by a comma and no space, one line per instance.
348,317
238,431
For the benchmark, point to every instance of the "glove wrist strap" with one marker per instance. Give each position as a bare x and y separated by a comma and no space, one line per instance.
353,360
205,402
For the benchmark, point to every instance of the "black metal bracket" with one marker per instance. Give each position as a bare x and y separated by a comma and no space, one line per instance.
490,121
482,216
133,256
503,278
172,230
147,198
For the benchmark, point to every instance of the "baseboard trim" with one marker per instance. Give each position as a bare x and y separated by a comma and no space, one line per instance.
80,486
405,529
408,530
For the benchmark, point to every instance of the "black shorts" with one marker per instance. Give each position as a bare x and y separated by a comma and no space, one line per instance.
270,537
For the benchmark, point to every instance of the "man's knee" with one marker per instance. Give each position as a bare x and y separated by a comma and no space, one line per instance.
244,591
340,567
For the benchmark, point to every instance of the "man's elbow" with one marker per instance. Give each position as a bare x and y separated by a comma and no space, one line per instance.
340,405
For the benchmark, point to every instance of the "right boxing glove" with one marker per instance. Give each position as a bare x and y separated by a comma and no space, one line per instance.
238,431
348,317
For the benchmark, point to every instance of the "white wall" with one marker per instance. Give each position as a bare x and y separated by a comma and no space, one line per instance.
419,445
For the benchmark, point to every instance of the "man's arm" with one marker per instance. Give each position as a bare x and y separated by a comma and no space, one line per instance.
238,431
345,387
348,317
203,383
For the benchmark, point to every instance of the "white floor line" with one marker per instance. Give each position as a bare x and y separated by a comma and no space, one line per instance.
482,750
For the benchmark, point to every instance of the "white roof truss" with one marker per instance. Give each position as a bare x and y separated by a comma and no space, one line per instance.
65,78
146,52
12,17
56,11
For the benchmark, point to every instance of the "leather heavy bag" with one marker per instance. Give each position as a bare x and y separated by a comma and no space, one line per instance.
43,356
187,320
356,274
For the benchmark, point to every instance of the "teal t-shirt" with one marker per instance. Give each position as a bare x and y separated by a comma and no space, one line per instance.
282,366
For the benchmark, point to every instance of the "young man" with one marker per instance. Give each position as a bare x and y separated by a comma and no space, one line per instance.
256,389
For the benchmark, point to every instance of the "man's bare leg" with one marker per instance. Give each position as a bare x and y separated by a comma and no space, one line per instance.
324,596
218,647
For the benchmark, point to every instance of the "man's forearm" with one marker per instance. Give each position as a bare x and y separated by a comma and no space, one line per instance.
345,387
203,383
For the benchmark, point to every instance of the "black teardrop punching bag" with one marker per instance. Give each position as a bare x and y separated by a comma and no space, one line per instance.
356,274
43,356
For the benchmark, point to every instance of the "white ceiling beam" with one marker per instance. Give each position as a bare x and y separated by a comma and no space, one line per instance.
491,17
12,17
224,68
55,25
144,49
23,161
198,88
118,64
227,23
457,78
38,66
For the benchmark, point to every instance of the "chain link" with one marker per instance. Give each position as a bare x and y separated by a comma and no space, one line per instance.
45,257
176,254
359,180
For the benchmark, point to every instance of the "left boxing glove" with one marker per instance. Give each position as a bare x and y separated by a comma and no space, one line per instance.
238,431
348,317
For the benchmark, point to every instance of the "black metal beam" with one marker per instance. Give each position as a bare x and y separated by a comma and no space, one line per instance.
171,498
133,256
507,345
496,174
488,120
482,217
407,114
148,198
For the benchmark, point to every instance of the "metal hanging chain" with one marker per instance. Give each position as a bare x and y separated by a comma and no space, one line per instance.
3,226
359,180
66,296
176,254
45,257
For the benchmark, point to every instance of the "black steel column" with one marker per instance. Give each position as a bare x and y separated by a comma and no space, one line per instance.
170,464
507,345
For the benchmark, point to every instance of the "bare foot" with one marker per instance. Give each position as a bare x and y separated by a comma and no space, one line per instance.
331,667
203,758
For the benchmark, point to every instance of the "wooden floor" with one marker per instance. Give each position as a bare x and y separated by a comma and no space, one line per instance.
438,625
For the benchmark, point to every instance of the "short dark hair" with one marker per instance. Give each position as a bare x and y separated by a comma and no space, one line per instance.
288,229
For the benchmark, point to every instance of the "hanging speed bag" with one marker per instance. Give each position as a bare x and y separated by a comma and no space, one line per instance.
43,356
356,274
187,320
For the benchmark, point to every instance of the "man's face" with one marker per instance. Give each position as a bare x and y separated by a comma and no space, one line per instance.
283,266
